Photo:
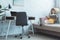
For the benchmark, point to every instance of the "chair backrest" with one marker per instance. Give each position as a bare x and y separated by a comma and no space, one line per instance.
21,19
13,13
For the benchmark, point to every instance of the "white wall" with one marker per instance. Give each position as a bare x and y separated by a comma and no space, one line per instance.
4,3
37,8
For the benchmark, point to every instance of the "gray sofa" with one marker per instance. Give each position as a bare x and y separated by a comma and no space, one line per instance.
46,29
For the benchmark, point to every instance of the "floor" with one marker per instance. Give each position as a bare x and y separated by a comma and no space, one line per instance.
33,37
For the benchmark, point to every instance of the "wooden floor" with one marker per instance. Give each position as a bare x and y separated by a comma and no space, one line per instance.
33,37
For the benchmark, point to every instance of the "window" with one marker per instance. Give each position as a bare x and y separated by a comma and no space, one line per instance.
57,3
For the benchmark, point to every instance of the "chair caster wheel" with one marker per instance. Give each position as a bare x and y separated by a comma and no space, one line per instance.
20,37
28,36
15,36
20,34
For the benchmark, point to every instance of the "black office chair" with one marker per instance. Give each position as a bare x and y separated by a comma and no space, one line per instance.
21,20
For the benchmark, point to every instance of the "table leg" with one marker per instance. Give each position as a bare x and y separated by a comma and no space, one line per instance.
8,29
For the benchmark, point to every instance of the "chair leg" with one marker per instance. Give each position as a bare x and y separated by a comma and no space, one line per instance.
28,33
20,36
22,33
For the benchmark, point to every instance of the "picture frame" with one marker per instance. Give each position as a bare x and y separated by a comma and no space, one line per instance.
18,2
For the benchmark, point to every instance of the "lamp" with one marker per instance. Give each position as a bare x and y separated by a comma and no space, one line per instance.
9,6
57,10
0,6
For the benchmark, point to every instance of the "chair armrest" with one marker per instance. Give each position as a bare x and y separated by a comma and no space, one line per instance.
9,17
